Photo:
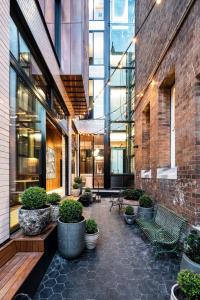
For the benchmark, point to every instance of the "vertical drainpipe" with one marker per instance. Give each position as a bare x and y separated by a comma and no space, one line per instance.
107,181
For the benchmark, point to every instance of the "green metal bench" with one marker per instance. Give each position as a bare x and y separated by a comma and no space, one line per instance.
163,230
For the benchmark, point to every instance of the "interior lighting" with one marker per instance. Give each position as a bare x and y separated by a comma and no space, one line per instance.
158,1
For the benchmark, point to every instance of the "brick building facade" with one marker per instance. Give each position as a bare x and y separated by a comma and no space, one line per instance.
167,107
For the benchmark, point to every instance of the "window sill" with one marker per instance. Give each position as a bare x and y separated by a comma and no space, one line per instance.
145,173
167,173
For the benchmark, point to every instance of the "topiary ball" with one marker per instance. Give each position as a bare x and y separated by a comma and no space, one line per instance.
145,201
91,226
53,198
129,210
34,198
70,211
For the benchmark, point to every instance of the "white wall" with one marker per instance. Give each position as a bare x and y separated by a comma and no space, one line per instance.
4,120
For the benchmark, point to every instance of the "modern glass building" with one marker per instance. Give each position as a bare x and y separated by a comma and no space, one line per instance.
107,133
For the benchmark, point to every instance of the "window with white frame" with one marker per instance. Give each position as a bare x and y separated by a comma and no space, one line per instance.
172,128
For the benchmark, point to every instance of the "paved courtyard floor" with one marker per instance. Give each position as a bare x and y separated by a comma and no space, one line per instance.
122,266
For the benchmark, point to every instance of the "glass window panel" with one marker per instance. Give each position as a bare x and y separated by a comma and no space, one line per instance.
118,126
24,56
119,11
96,71
117,161
91,88
98,48
91,7
98,9
98,161
121,37
98,111
118,104
96,25
90,45
119,78
14,39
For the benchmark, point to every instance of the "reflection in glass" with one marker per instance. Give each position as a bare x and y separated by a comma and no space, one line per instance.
98,111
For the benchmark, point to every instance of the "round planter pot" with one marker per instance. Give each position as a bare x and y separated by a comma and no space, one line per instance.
71,238
129,219
91,240
187,263
145,213
34,221
54,213
75,192
173,291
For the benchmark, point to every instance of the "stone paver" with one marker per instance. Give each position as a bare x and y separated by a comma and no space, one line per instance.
122,266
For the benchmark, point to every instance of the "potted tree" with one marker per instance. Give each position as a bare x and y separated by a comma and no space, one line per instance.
191,254
75,190
34,215
129,216
78,180
91,234
54,199
145,209
71,229
86,199
188,286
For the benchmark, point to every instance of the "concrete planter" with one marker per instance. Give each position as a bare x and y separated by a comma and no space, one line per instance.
75,192
187,263
173,291
129,219
54,213
91,240
71,238
145,213
34,221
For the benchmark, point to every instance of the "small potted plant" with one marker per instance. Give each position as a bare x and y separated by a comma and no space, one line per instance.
188,286
75,190
78,180
191,255
34,215
71,229
91,234
54,199
129,215
145,209
86,199
88,190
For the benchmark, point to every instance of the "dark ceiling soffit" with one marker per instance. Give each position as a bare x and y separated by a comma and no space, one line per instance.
19,19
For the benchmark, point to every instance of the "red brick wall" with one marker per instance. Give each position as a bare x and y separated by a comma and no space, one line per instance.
183,61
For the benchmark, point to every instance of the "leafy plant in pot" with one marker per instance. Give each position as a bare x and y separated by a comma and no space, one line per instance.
54,199
191,255
133,194
91,234
188,286
86,199
71,229
75,190
145,209
129,215
34,215
78,180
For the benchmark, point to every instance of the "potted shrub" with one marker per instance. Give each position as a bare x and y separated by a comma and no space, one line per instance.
71,229
53,199
88,190
129,215
86,199
191,255
75,190
34,215
145,209
133,194
188,286
78,180
91,234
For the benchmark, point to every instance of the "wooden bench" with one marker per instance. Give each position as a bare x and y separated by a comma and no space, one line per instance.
163,230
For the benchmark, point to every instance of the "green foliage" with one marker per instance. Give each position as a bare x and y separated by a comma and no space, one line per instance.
34,198
53,198
88,190
78,180
189,284
133,194
75,186
86,196
145,201
91,226
129,210
192,246
70,211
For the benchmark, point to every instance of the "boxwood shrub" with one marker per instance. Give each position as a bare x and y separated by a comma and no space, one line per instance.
189,284
53,198
34,198
70,211
145,201
91,226
129,210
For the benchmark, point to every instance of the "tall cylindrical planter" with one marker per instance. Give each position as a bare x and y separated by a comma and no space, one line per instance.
34,221
145,213
187,263
173,291
71,238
